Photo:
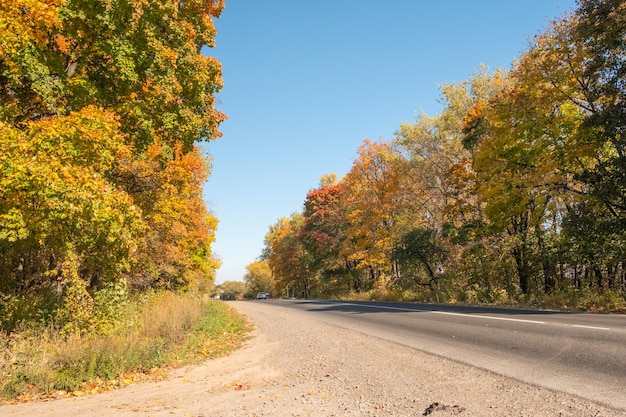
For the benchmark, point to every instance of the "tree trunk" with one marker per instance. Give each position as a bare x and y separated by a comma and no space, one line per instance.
519,230
549,269
522,273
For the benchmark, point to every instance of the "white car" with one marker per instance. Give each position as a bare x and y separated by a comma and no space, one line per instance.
262,295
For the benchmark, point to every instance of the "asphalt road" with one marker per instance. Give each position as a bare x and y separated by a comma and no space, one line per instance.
581,354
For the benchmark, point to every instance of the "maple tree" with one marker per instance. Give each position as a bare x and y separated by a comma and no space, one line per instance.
323,234
57,204
102,103
176,248
378,192
140,58
287,258
25,42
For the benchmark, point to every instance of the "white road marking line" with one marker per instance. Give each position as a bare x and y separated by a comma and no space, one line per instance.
448,313
464,315
392,308
488,317
591,327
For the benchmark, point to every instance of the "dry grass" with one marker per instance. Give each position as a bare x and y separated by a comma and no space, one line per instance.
160,331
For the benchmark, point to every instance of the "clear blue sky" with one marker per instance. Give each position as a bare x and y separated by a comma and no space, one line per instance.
306,81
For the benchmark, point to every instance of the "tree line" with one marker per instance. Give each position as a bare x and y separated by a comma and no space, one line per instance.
101,106
515,190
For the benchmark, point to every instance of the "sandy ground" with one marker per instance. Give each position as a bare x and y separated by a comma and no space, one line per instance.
295,366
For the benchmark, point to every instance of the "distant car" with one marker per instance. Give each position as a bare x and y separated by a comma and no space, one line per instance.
262,296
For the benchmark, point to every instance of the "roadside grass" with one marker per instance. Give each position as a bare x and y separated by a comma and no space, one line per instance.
565,300
157,332
608,301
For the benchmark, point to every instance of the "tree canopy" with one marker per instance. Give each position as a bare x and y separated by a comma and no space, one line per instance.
102,103
516,189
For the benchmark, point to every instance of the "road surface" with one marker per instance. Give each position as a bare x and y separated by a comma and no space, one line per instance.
304,359
581,354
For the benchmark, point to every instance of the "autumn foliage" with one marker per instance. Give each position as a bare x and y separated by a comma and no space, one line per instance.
100,179
514,192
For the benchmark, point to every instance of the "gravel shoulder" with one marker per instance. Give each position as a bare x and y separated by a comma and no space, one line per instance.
295,366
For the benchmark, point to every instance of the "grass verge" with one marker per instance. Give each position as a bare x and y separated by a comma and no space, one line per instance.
565,300
158,332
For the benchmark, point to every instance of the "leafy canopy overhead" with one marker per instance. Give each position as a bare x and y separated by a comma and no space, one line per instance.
139,58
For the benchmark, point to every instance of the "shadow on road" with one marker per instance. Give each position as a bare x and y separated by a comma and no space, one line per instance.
361,307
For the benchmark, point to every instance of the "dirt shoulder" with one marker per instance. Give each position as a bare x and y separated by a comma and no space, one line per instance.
295,366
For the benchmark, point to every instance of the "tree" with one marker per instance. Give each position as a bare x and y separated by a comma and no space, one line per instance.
519,183
378,195
600,29
287,258
176,250
418,248
29,90
102,102
512,170
323,234
442,180
258,278
534,150
139,59
62,223
232,290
